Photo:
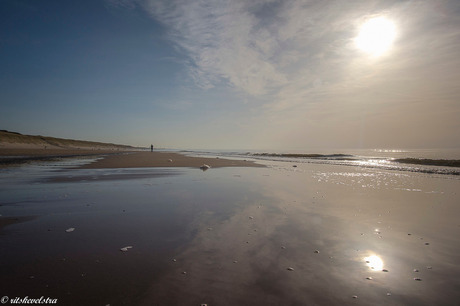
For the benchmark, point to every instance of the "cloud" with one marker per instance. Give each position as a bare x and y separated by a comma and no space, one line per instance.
261,47
224,41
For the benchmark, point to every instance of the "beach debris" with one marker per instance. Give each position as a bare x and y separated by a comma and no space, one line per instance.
204,167
369,278
126,248
355,296
417,279
251,217
290,269
384,270
416,270
316,252
170,160
70,229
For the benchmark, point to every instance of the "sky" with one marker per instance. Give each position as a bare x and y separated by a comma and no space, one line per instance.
252,75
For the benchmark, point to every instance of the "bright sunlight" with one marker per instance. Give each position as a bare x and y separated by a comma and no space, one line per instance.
376,36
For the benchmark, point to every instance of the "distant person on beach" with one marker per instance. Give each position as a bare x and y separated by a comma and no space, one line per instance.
151,148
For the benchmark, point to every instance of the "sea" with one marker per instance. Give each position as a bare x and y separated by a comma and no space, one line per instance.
430,161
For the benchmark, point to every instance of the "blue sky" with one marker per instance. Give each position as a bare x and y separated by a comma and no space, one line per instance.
259,74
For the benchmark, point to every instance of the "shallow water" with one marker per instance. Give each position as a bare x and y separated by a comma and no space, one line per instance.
234,231
433,161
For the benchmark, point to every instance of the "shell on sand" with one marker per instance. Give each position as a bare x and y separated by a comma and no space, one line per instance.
126,248
205,167
71,229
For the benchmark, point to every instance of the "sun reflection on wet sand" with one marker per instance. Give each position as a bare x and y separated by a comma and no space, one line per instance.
374,262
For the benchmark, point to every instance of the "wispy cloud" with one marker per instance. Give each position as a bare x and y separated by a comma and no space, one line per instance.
262,47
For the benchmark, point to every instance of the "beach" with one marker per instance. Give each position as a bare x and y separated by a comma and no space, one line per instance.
164,159
152,228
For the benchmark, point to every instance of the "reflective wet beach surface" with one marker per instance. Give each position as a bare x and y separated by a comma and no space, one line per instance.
309,235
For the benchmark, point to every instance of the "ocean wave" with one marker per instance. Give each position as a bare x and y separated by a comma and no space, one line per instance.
429,162
419,165
338,156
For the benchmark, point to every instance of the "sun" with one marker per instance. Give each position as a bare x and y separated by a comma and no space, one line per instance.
376,36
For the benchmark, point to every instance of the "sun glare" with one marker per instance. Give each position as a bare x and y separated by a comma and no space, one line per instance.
374,262
376,36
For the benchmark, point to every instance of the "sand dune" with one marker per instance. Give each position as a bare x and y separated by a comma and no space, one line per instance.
15,143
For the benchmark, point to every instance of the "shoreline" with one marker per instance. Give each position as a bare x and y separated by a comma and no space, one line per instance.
17,157
117,158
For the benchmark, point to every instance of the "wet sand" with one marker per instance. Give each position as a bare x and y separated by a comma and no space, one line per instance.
164,159
18,156
274,235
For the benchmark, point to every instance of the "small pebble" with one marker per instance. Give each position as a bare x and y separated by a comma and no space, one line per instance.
385,270
316,252
251,217
290,269
429,267
125,249
427,243
184,272
235,261
355,296
417,279
416,270
69,230
369,278
388,293
283,247
174,260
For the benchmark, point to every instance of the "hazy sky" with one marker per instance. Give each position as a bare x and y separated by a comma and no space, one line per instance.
242,74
